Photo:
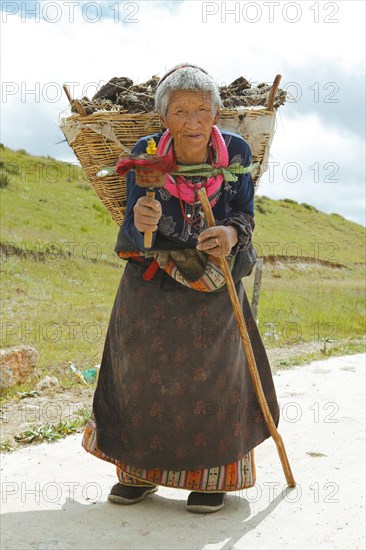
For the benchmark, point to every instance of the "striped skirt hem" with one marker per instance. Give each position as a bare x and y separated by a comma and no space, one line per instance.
229,477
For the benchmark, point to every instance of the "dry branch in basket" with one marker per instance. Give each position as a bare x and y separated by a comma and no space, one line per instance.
120,93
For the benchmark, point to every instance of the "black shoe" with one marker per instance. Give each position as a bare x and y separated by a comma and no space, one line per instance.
129,494
203,503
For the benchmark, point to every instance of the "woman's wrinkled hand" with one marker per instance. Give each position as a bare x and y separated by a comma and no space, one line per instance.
218,240
147,213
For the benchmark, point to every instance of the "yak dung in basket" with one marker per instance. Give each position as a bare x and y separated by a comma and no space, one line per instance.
102,137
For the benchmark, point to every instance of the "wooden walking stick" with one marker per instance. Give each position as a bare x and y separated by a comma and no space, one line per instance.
248,349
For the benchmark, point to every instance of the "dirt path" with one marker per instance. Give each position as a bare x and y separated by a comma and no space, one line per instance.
55,496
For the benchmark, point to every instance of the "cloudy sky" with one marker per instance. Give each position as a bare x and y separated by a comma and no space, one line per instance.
318,151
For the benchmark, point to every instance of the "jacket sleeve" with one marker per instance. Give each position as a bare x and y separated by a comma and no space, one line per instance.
242,203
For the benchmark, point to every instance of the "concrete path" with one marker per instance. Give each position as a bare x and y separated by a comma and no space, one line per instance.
54,496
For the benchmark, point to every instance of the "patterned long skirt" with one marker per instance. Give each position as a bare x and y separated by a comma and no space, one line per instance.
174,403
230,477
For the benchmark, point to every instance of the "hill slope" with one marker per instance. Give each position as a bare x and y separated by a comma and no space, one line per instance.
285,227
51,200
61,272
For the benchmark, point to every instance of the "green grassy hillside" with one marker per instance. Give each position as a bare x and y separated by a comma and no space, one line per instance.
60,273
285,227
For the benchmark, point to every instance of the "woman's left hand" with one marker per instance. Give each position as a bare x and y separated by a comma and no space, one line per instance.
218,240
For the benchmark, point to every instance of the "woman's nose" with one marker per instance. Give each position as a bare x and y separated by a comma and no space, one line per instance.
193,118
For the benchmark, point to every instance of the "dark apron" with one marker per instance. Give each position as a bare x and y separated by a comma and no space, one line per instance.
174,390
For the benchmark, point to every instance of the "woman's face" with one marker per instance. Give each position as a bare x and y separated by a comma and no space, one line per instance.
190,118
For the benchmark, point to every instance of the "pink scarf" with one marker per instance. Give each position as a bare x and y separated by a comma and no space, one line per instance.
178,186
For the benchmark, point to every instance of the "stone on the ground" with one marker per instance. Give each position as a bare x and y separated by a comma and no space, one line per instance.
17,365
47,382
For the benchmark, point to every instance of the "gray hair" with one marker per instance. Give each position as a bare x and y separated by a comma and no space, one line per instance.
185,77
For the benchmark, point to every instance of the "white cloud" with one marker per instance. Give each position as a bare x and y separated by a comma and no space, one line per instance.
311,162
83,51
36,54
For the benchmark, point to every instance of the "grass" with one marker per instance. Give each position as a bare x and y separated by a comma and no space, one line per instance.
285,227
61,274
311,305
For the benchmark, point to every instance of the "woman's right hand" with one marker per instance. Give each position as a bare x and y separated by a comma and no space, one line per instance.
147,213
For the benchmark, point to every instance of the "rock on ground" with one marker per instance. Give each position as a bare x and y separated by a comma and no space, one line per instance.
17,364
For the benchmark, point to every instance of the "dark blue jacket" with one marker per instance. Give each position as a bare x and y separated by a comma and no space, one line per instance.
235,205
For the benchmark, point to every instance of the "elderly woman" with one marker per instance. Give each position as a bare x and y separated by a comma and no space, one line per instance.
174,404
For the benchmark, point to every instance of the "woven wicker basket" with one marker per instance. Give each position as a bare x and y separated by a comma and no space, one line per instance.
104,136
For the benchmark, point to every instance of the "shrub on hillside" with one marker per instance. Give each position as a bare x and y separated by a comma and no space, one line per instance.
4,180
259,205
309,206
290,201
11,167
260,208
